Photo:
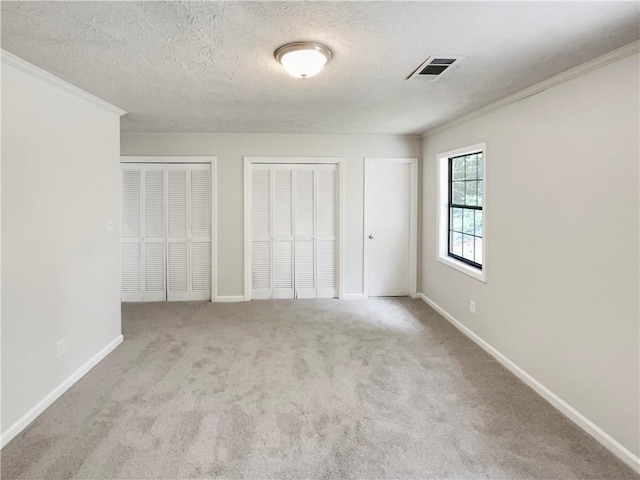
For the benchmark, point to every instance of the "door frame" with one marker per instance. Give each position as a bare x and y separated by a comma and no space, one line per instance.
413,220
127,159
248,162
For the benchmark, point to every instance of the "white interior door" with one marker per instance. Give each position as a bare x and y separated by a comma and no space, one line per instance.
387,227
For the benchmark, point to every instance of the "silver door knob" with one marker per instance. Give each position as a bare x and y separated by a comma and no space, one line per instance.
370,237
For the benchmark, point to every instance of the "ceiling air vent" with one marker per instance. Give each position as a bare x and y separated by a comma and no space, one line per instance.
434,66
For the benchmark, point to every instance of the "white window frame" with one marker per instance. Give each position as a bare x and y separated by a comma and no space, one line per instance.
443,212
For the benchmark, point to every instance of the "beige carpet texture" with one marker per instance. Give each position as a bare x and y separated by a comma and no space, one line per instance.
301,389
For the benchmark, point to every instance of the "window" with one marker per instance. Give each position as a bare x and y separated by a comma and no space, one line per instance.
462,215
465,208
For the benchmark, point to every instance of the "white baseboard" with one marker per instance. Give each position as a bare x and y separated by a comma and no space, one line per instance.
353,296
57,392
570,412
230,298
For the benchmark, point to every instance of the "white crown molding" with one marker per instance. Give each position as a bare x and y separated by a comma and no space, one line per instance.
28,68
565,76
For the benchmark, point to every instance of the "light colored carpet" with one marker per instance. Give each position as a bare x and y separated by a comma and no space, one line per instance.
383,388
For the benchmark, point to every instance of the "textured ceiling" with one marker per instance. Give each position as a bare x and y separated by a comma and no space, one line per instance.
208,66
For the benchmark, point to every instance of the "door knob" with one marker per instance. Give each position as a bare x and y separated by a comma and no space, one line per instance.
370,237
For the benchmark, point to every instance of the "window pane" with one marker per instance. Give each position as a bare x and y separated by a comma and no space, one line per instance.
479,226
458,168
468,221
456,243
466,224
456,219
470,197
468,247
478,250
472,167
458,193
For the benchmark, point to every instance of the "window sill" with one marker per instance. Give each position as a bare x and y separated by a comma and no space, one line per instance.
463,268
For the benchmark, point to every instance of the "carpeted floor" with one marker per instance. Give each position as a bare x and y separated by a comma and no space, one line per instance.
382,388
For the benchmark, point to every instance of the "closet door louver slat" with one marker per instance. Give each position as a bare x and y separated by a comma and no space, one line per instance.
177,232
131,233
131,203
131,272
200,232
305,231
178,285
261,232
282,238
327,211
153,237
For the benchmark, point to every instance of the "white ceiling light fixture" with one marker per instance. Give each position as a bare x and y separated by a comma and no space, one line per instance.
303,59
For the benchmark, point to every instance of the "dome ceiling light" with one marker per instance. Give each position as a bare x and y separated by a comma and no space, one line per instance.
303,59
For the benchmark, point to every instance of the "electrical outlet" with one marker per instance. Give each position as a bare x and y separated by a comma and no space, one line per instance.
472,306
61,347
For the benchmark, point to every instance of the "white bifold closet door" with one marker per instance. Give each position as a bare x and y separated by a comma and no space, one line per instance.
188,232
166,232
293,228
143,238
327,231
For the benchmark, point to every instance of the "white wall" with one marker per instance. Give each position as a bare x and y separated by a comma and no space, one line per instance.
562,292
60,266
230,150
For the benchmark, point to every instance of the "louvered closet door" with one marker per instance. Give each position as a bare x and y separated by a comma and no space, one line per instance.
282,244
143,233
326,233
177,232
294,211
132,233
199,238
189,232
153,236
305,231
261,231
